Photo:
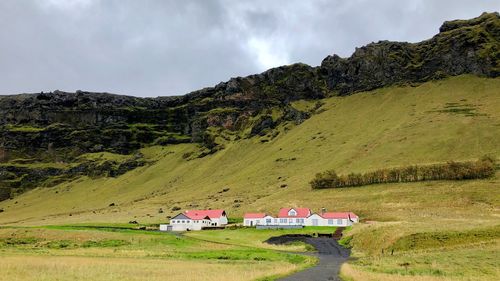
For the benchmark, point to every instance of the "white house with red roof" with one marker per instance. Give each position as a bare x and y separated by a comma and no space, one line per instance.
332,219
300,217
196,220
253,219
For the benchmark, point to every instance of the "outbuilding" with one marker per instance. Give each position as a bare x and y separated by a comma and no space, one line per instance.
196,220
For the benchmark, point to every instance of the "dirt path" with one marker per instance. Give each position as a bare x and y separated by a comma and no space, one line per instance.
331,256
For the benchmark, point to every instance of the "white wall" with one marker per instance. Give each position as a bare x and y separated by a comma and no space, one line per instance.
326,222
184,224
250,222
291,221
222,221
314,218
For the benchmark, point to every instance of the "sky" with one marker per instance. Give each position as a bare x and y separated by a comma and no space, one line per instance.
159,48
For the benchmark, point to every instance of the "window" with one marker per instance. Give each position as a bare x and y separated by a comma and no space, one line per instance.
298,220
269,221
183,221
292,213
330,221
275,221
290,220
257,222
282,220
339,221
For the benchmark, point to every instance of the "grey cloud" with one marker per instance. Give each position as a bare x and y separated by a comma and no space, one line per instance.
151,48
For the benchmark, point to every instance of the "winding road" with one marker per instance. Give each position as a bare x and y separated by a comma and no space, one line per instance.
331,256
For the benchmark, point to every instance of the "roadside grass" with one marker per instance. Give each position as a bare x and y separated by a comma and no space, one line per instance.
43,268
466,262
445,250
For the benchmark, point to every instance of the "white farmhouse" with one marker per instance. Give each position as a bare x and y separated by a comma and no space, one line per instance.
196,220
298,217
332,219
253,219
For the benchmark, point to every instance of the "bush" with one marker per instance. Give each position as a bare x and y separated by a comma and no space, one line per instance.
483,168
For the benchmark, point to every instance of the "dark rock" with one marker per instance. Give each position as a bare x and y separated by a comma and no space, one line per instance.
283,185
461,47
112,205
175,208
160,211
133,222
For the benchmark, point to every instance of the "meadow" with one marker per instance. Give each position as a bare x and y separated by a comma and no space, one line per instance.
116,253
380,129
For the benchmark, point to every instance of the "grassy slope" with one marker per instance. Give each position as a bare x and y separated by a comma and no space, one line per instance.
387,127
452,119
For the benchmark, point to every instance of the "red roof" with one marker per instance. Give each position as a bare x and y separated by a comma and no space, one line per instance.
339,215
254,215
301,213
201,214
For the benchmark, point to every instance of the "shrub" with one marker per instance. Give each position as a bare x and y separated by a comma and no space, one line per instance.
483,168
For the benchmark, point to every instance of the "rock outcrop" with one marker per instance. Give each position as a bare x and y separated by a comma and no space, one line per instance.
462,46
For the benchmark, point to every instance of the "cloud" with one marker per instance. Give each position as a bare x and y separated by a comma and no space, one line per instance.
154,47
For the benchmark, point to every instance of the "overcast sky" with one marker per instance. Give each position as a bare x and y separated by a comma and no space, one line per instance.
158,48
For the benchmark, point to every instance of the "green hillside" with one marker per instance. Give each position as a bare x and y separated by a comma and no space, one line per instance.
455,119
452,119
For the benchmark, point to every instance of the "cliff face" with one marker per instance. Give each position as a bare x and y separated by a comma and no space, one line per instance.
462,46
60,126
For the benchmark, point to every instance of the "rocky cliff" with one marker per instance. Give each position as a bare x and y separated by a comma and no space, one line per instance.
60,126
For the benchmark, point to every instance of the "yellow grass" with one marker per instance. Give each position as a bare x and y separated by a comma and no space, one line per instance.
13,268
349,272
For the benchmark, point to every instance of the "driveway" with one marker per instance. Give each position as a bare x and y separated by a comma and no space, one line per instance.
331,256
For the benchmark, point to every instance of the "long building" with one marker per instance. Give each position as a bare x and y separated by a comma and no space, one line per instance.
300,217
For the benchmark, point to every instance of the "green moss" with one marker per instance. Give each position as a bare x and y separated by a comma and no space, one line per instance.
23,129
221,111
104,156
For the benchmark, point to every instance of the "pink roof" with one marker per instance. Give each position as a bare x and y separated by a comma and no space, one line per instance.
339,215
254,215
201,214
301,213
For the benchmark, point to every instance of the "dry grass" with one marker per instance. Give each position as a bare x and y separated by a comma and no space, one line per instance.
15,268
349,272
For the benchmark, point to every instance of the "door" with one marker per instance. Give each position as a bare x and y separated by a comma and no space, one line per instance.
251,223
315,222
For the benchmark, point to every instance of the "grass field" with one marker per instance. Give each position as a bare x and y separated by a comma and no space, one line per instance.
453,119
84,253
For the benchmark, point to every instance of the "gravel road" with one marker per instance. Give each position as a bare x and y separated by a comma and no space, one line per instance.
331,256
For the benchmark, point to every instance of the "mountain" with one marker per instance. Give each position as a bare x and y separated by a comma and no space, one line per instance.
50,138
